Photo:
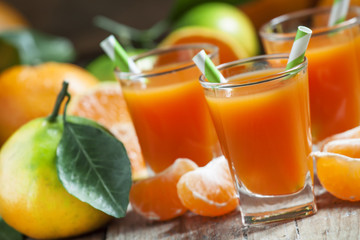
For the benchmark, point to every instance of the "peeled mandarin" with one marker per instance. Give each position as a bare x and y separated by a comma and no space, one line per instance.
351,133
339,175
209,190
156,197
338,167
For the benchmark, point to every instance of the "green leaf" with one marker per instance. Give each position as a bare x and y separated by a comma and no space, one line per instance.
27,46
7,232
181,6
94,167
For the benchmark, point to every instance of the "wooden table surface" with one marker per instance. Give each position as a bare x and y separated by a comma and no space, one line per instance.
335,219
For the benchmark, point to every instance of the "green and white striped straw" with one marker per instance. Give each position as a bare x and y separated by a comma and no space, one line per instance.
338,12
207,67
299,47
118,55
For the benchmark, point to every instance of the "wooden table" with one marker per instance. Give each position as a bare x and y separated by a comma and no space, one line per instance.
335,219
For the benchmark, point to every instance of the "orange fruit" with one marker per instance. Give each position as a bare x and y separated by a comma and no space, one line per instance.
338,168
229,48
216,23
10,18
156,198
29,92
32,199
106,105
225,18
209,190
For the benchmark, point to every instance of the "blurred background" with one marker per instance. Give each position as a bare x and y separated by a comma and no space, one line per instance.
75,19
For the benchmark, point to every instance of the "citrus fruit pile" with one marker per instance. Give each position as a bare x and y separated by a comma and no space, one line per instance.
206,191
338,164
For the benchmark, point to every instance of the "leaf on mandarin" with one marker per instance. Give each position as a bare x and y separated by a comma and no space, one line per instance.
94,167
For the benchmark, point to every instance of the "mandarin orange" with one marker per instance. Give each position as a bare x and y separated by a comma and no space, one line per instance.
209,190
29,92
156,198
32,199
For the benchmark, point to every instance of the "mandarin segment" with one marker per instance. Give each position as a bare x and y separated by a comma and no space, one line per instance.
209,190
339,175
349,134
347,147
105,104
156,198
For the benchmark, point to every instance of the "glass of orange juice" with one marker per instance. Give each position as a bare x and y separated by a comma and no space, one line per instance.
261,115
333,65
168,107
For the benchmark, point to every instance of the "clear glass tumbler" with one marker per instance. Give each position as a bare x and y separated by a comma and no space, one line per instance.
261,115
333,55
168,107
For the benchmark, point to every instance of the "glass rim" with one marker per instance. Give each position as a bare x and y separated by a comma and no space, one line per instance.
307,12
255,81
161,50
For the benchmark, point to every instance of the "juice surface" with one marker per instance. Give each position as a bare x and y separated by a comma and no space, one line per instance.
172,120
334,81
265,136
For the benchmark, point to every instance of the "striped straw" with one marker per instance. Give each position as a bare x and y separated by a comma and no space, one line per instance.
207,67
299,47
338,12
118,55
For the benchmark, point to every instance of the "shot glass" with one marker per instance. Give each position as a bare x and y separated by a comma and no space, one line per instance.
333,65
168,107
261,115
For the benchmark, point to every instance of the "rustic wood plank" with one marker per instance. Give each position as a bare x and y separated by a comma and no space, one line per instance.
97,235
336,219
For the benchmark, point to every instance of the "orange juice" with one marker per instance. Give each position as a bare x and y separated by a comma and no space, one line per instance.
334,85
169,111
333,67
264,131
172,122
